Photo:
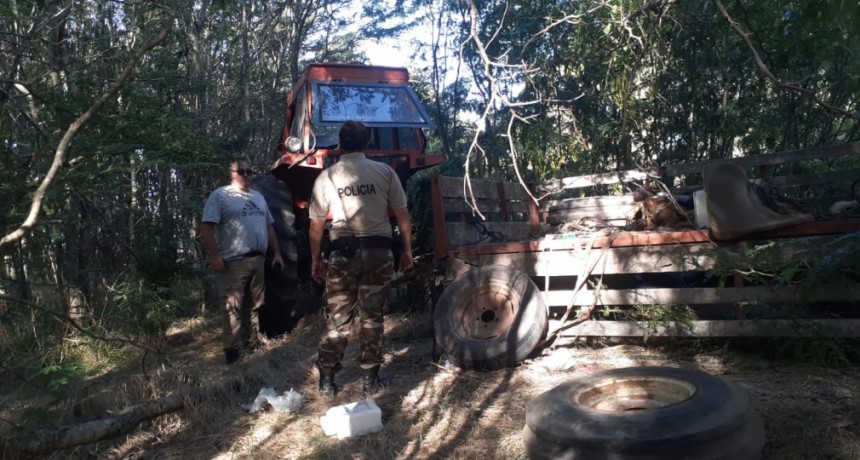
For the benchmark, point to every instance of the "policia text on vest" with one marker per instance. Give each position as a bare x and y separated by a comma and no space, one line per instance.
355,190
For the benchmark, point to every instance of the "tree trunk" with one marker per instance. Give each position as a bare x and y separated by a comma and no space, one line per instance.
246,67
53,439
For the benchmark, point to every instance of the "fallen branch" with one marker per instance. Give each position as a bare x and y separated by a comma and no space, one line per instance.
54,439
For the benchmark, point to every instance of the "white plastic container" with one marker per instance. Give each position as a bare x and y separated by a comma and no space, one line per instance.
700,208
354,419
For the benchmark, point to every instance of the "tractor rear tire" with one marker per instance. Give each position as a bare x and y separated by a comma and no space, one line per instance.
279,315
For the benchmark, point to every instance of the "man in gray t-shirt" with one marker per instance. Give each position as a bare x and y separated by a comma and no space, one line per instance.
237,231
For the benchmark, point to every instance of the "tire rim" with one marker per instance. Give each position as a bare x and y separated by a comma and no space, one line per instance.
486,311
633,394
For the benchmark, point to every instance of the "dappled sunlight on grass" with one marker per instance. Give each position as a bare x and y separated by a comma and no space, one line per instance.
432,410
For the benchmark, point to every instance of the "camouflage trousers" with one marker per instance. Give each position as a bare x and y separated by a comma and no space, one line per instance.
242,294
357,283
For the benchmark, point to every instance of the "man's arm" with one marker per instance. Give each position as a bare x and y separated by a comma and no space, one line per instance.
315,236
404,224
275,247
207,234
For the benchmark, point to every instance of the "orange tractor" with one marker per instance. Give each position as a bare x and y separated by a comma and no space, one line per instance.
325,96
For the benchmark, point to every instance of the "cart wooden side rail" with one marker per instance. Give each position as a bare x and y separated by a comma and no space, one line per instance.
663,267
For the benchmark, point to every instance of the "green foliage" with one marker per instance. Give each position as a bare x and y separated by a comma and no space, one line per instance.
418,192
835,263
57,377
828,264
655,313
623,83
655,316
618,84
824,348
146,309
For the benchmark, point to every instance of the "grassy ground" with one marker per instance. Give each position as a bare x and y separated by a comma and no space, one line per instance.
431,411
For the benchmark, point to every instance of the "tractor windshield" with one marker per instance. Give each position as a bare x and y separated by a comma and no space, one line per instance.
377,105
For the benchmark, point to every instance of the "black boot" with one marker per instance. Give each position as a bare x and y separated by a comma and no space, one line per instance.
231,355
327,385
372,382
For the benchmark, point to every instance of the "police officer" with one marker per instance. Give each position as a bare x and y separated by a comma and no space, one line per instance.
357,192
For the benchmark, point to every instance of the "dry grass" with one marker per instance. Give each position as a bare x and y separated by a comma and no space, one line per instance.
433,411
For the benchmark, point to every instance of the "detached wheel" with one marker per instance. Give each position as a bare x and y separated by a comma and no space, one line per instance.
490,318
644,413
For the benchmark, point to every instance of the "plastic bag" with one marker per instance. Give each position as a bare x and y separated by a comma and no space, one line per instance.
288,402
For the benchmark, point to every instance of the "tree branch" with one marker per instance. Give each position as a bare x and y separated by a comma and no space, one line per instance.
52,439
770,76
495,95
72,131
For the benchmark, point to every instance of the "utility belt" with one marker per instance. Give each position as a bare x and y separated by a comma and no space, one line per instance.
349,245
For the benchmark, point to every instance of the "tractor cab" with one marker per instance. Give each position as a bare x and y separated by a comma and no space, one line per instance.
323,98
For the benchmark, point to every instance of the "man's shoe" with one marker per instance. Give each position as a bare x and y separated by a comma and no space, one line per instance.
231,355
372,383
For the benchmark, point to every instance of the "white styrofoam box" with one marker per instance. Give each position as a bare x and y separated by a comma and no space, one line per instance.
700,208
354,419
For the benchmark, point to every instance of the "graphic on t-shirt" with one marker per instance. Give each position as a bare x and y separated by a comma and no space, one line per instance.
251,209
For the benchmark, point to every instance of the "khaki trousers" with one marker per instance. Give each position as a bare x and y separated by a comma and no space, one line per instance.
242,290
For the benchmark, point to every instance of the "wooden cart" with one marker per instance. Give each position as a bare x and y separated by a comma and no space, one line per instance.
593,278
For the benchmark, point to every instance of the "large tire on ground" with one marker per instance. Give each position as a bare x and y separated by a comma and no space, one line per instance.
490,318
644,413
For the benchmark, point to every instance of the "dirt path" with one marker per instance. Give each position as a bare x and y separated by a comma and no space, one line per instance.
437,411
